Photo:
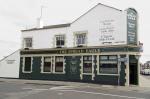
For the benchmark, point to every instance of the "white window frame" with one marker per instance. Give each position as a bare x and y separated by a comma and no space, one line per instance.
98,66
42,65
64,40
80,33
55,65
24,65
83,65
52,64
24,42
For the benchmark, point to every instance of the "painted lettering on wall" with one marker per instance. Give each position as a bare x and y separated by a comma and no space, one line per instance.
10,61
107,30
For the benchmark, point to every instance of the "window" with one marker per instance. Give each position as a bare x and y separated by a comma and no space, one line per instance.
59,63
60,40
27,64
108,65
87,64
47,64
80,39
27,42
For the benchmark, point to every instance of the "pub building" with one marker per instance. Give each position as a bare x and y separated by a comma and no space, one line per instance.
101,46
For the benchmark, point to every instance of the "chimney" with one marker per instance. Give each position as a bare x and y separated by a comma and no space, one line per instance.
39,23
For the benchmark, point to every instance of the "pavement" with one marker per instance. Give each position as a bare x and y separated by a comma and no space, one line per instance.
144,80
39,89
144,85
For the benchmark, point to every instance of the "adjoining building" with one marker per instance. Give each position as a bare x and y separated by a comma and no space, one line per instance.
145,68
9,65
101,46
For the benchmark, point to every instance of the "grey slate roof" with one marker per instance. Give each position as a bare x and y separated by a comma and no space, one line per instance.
49,27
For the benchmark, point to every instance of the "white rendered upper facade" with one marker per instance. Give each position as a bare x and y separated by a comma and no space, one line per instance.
100,26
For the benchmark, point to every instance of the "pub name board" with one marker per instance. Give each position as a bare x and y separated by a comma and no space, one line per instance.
75,51
62,51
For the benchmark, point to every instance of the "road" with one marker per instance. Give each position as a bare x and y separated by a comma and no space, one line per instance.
9,90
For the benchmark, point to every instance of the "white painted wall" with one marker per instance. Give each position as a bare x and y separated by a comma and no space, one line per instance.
44,38
91,22
9,66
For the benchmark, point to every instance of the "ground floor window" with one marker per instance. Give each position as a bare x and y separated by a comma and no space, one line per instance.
59,63
108,64
52,64
27,64
87,64
47,64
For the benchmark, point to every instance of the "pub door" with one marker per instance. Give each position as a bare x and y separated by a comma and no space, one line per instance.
133,71
73,68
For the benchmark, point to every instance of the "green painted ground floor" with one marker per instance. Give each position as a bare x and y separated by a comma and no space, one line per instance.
113,66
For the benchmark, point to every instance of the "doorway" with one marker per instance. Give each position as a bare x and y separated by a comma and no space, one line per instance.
133,74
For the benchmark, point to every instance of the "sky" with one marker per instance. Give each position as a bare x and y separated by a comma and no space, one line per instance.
16,15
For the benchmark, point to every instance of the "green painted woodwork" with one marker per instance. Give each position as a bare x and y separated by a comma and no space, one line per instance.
122,79
72,68
72,72
131,26
82,50
106,79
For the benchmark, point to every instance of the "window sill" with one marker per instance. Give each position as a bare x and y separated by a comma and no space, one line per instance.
59,72
46,72
108,74
52,72
26,72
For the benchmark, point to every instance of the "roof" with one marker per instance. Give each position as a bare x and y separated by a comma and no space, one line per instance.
9,55
49,27
68,24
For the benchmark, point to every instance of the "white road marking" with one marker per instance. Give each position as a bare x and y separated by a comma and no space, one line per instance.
61,87
53,88
34,89
95,93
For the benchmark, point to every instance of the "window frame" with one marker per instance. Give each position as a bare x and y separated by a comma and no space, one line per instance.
98,65
55,65
83,65
24,42
23,69
42,65
80,33
55,40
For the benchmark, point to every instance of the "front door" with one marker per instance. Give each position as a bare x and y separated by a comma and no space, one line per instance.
133,71
73,68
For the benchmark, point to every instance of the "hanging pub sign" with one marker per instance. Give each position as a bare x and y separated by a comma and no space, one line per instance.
131,26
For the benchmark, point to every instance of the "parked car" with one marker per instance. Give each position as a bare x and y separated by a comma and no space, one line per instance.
145,71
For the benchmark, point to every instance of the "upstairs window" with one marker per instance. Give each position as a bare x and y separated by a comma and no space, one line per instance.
80,39
27,42
60,40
